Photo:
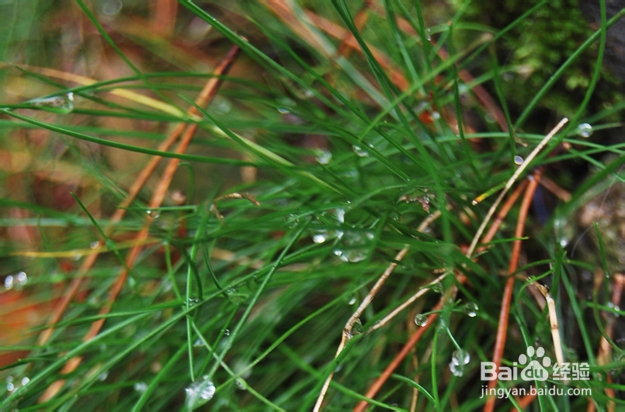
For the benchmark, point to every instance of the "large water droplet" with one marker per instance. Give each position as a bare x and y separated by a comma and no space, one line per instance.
360,152
17,280
518,160
141,387
459,359
421,319
584,130
111,7
240,384
321,236
354,246
357,328
471,309
323,156
292,221
199,392
221,105
437,287
320,231
9,282
25,380
63,103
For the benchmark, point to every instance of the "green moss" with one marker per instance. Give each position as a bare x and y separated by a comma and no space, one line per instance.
536,48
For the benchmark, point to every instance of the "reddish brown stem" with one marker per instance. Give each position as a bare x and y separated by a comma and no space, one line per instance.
502,330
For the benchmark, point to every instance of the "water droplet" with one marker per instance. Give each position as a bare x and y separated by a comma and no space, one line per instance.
283,110
154,214
354,246
614,310
437,287
141,387
357,328
16,280
518,160
199,392
459,359
94,245
471,309
227,332
10,386
360,152
320,236
198,343
292,221
193,301
103,376
584,130
63,103
323,156
351,300
436,115
240,384
25,380
428,35
421,319
340,214
8,282
221,105
21,279
111,7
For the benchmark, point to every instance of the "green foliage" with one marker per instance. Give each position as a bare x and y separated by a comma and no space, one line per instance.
234,305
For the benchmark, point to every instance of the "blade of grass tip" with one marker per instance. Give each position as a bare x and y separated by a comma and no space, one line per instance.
261,288
121,54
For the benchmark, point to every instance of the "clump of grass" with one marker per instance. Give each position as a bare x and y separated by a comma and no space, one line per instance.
327,145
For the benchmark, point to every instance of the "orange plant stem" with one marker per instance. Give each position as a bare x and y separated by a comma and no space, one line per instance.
500,341
209,91
414,339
